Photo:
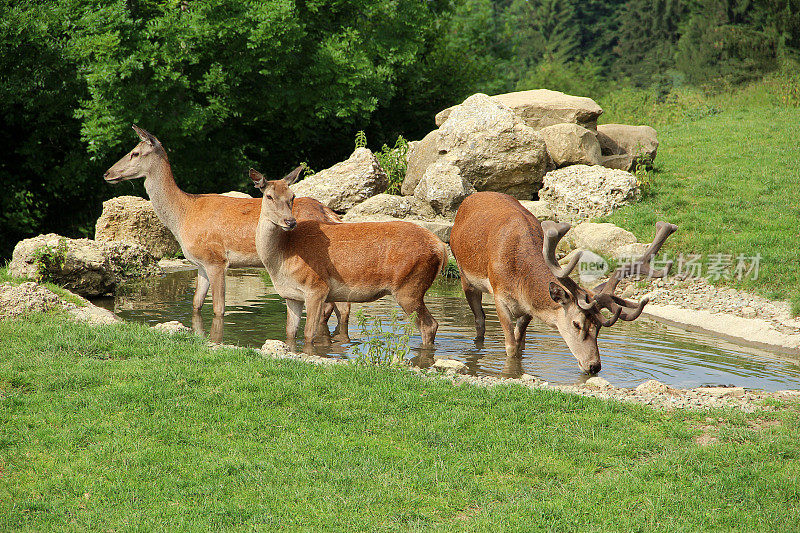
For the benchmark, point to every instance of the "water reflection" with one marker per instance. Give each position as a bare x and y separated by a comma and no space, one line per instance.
631,352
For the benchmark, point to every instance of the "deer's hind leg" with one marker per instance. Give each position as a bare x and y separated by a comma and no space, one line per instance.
413,303
475,301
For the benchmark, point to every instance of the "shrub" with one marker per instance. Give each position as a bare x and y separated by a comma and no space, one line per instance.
384,346
49,261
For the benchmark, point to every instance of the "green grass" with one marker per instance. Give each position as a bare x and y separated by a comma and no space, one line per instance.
122,428
731,182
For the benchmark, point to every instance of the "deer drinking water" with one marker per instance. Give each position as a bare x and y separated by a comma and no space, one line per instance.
215,232
312,263
502,249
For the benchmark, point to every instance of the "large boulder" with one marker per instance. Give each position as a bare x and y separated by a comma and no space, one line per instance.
578,192
345,184
421,154
636,142
90,268
393,206
443,188
493,148
236,194
539,209
570,144
541,108
603,238
131,219
439,226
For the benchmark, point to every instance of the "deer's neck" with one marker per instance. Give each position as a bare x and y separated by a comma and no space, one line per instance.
272,244
169,201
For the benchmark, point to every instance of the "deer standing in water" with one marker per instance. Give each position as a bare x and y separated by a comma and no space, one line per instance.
215,232
312,263
502,249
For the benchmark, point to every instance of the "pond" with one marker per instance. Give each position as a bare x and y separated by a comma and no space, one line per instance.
631,352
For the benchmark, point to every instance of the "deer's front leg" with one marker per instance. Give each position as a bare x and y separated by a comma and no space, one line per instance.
294,310
508,323
315,304
201,291
216,275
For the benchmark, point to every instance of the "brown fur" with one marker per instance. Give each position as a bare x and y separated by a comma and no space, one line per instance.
497,244
215,232
313,263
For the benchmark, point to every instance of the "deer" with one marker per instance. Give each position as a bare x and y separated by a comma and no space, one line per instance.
215,232
311,263
503,250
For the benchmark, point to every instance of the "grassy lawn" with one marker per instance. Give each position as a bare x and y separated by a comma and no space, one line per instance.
731,182
122,428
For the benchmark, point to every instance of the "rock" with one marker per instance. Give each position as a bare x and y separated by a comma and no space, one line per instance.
528,378
439,227
591,266
570,144
131,219
420,156
28,297
345,184
721,392
748,312
541,108
275,348
603,238
393,206
596,382
630,252
443,187
450,365
619,162
493,148
171,327
635,141
539,209
236,194
652,386
90,268
578,192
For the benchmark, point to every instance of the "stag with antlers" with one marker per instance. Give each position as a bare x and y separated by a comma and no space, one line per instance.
502,249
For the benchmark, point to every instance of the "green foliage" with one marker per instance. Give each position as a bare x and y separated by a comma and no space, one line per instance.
581,78
49,261
384,344
451,269
361,139
726,43
394,162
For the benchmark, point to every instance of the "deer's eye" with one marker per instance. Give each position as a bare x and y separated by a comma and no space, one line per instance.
135,154
269,197
576,324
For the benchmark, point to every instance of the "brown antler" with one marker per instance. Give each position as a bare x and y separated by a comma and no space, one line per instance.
553,233
626,309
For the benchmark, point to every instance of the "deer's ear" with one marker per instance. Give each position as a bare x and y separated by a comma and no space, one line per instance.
292,176
259,181
559,294
146,136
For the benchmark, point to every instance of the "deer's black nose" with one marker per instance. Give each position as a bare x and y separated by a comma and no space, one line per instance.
594,368
290,223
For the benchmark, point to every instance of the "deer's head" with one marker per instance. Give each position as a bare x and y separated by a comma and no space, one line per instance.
138,162
580,316
276,205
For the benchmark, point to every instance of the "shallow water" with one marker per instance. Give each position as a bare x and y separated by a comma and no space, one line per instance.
630,352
